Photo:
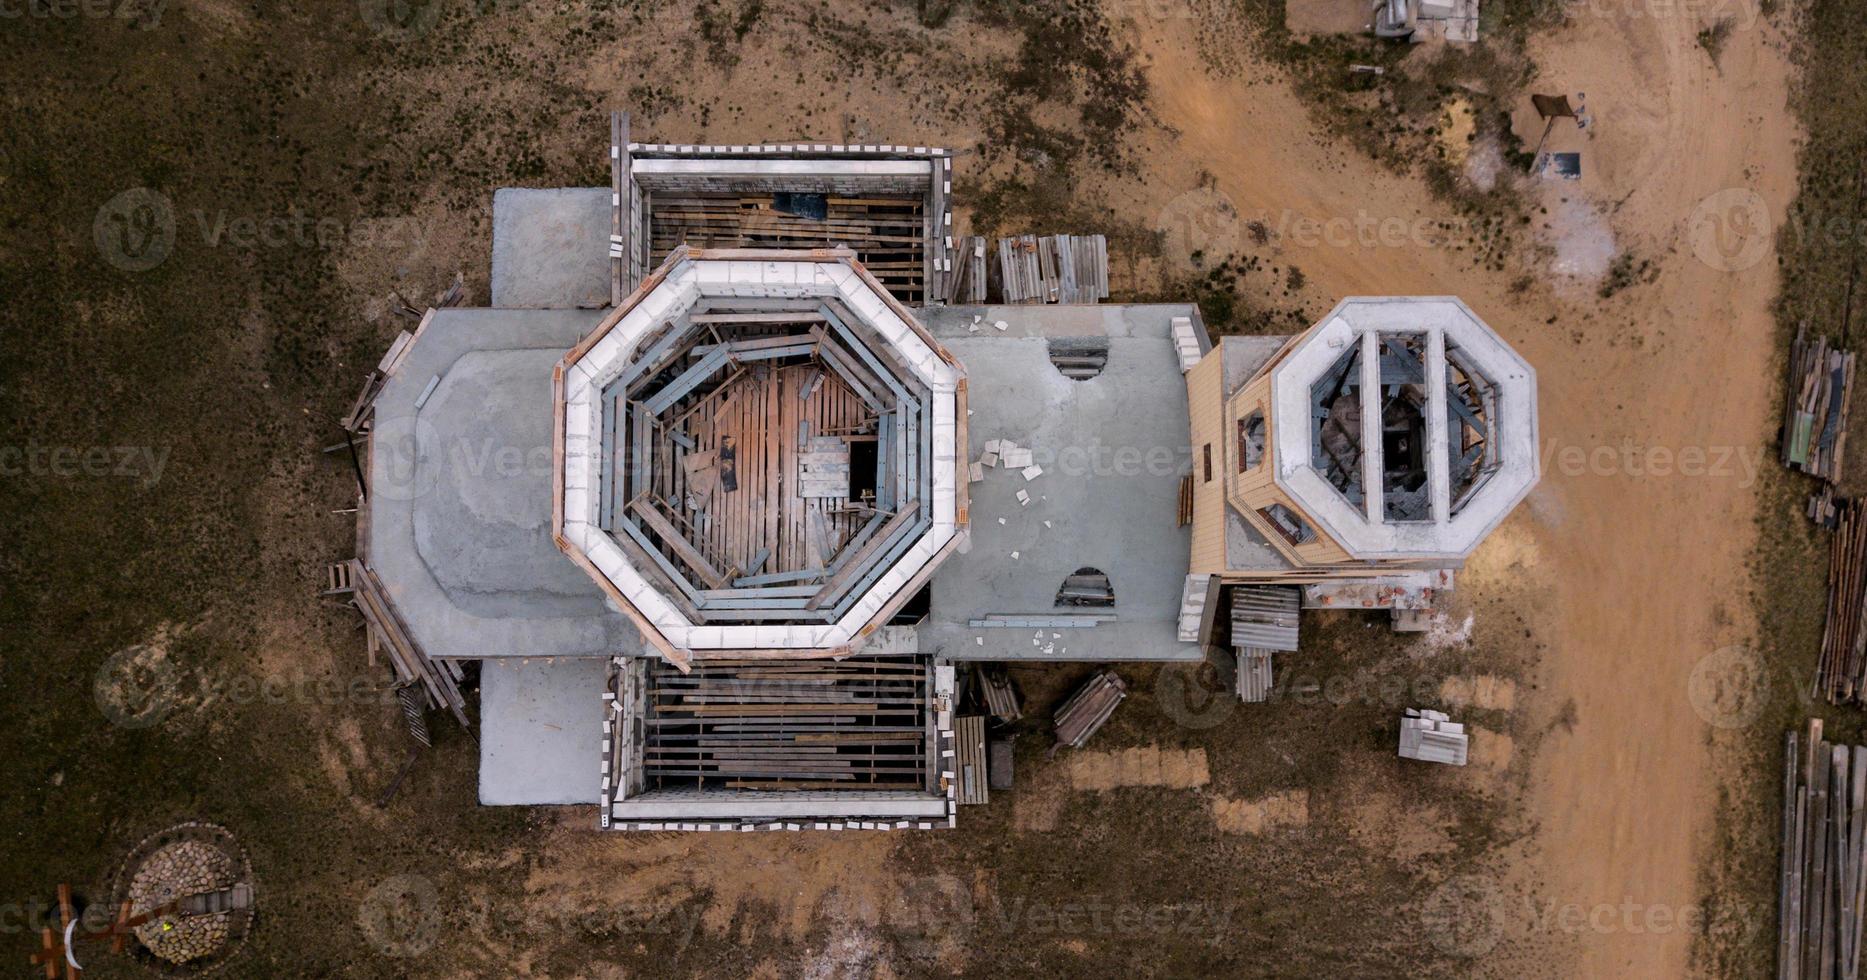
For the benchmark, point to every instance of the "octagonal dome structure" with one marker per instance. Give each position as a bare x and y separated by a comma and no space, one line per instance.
1405,427
758,453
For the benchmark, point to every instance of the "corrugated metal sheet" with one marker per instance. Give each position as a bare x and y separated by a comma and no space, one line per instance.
1254,675
1265,616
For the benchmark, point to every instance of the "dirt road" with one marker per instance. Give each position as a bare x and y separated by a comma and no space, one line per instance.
1630,563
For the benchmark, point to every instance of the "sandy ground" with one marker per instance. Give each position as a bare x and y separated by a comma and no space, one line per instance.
1634,563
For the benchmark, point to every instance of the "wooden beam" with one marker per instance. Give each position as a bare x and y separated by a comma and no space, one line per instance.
622,208
672,537
855,565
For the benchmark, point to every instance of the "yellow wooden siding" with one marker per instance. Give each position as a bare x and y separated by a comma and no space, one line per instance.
1205,400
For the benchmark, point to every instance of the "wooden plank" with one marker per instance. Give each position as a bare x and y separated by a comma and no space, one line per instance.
622,216
663,528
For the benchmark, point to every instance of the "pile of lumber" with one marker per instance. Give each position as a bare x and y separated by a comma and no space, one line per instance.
1053,268
860,723
1841,673
969,758
1822,887
438,679
1815,418
1088,709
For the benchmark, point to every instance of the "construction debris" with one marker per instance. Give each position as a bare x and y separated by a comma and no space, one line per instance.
1431,736
1822,888
1053,269
439,679
1815,418
1823,508
1088,709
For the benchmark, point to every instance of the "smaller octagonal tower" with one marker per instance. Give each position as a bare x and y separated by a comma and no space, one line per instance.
757,453
1395,433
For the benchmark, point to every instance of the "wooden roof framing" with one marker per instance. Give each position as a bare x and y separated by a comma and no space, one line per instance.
723,394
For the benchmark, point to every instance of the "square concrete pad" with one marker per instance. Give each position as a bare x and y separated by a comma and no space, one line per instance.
551,247
541,725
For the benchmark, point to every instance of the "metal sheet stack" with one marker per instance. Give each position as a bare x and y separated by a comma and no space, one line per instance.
1254,675
1088,709
1432,736
1001,699
1265,616
966,279
1053,268
1822,887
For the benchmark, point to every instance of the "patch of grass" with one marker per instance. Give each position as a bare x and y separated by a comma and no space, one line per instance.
1626,270
1712,38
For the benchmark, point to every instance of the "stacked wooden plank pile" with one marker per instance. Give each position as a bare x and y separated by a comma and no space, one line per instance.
969,757
966,279
860,723
1841,673
439,679
1088,709
1822,881
1815,418
1053,268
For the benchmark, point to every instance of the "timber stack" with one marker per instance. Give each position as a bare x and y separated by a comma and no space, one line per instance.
1822,888
1841,673
1815,418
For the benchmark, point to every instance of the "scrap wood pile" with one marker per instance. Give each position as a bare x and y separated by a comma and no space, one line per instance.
438,679
1815,416
1822,878
1841,673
